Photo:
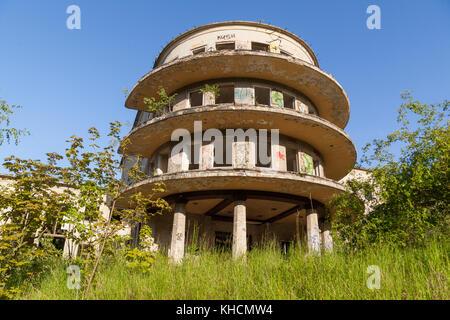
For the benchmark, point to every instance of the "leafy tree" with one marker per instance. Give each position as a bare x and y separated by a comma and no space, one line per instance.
408,194
30,207
76,194
6,134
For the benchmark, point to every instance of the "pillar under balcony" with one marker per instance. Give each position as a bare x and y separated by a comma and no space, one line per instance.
176,251
327,239
312,230
239,229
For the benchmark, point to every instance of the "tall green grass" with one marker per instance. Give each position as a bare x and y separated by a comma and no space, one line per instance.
267,273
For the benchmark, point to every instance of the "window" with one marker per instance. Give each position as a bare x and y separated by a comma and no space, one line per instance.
316,168
196,98
291,160
262,96
163,162
218,162
226,94
257,46
268,152
192,164
199,50
225,46
288,101
151,168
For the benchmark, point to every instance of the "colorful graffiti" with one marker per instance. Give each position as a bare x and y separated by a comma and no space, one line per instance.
243,96
301,106
274,47
307,164
277,98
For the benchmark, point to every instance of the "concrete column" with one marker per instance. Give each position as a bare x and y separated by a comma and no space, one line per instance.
176,251
240,156
178,162
239,229
207,156
279,157
327,239
251,153
208,98
312,230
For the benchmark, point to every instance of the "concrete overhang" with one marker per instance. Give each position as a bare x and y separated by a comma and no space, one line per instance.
334,145
321,88
320,189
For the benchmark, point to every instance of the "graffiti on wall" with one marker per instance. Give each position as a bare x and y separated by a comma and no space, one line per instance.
301,106
243,45
276,98
274,47
222,37
243,95
307,163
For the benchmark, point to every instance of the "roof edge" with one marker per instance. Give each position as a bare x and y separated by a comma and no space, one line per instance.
237,22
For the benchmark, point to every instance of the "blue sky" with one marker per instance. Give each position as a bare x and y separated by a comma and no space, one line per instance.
70,80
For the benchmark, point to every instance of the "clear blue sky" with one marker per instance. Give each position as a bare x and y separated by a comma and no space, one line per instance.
70,80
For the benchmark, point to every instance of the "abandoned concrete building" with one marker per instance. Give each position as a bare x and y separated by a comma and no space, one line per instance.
265,78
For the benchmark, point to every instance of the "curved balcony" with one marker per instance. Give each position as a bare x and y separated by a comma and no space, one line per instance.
258,179
337,150
320,88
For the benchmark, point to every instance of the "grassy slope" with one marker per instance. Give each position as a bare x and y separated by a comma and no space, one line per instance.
420,273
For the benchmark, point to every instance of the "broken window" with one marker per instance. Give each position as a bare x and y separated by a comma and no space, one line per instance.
199,50
221,160
196,98
262,96
163,162
192,164
226,94
288,101
266,153
257,46
225,46
291,160
317,168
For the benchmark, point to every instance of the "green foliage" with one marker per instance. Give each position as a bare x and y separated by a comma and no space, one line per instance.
410,192
157,105
6,134
81,193
30,208
142,258
214,89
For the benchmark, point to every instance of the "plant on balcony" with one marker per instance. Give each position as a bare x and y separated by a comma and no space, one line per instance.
158,105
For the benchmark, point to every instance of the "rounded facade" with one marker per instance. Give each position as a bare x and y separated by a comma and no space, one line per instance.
262,128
